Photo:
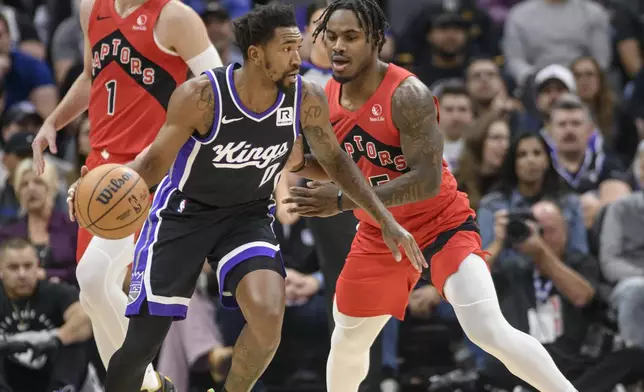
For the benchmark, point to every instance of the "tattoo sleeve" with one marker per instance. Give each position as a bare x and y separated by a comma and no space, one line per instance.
415,115
337,164
190,108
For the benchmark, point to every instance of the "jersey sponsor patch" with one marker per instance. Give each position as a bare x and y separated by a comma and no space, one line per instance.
284,117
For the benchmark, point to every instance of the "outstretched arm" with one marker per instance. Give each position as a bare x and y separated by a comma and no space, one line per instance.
190,109
415,115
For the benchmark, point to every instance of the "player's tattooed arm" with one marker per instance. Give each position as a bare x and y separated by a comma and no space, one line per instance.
190,109
415,115
340,168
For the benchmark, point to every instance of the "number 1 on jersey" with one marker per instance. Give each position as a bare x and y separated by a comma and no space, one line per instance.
111,96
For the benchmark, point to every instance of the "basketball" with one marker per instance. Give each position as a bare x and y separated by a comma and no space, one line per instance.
112,201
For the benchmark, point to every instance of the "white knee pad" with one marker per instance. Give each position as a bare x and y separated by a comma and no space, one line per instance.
104,262
355,334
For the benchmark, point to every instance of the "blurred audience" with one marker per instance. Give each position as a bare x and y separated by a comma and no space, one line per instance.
456,120
552,297
47,228
596,175
550,84
527,177
445,55
621,254
24,76
480,163
543,32
220,30
44,330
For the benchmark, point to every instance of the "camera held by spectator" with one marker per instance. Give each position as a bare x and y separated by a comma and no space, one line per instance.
519,227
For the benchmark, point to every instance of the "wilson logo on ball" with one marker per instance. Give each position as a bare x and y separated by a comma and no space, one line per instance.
112,188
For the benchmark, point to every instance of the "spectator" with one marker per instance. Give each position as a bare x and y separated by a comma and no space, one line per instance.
484,83
44,318
599,177
220,32
67,44
456,119
615,124
318,67
481,160
627,36
20,117
550,84
446,57
16,150
497,9
415,17
22,32
552,298
543,32
528,176
47,228
621,254
25,77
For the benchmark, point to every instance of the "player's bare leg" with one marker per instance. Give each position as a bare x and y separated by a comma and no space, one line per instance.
471,292
100,275
261,298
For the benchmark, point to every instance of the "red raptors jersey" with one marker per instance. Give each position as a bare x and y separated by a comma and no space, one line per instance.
370,137
132,78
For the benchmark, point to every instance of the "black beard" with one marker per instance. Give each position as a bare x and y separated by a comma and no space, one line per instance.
281,86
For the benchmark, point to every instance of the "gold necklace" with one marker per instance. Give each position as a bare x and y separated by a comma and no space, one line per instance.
22,325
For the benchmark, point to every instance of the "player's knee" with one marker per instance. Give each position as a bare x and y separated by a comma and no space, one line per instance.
266,321
489,328
267,324
90,276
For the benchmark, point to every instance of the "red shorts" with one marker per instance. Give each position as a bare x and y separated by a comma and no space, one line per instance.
372,283
94,160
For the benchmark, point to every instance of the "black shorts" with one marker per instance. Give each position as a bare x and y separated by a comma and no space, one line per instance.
180,234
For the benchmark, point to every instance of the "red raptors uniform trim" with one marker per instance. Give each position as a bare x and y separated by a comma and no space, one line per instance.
132,78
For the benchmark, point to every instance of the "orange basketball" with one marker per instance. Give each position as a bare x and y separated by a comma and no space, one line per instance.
112,201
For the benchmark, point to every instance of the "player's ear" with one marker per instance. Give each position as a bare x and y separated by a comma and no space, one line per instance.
256,55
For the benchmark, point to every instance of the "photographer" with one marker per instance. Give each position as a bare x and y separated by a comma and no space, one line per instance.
551,295
527,176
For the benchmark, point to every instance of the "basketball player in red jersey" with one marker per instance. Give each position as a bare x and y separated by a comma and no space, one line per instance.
136,53
387,121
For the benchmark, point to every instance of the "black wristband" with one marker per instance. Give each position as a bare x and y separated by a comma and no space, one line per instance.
340,193
302,166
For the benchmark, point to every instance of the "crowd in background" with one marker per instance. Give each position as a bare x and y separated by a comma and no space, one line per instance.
542,113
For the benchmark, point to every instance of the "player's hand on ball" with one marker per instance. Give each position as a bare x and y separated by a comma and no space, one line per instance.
71,194
395,237
319,199
46,137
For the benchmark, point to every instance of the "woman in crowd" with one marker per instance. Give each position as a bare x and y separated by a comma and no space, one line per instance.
48,229
527,176
616,127
482,157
